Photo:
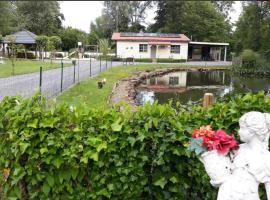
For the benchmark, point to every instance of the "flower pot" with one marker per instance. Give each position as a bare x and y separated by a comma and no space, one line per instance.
217,166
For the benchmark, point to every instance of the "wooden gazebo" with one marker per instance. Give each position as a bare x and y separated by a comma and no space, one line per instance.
25,37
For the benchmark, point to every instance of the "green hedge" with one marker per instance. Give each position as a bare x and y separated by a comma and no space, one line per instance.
143,59
170,60
66,153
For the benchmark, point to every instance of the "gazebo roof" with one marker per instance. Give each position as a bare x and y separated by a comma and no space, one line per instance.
23,37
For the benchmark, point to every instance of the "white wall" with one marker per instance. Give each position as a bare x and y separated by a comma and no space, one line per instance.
131,49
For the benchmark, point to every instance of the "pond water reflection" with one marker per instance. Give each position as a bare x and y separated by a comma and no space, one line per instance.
186,86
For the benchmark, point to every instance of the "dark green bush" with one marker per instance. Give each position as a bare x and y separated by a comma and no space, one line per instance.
143,59
252,64
29,55
170,60
66,153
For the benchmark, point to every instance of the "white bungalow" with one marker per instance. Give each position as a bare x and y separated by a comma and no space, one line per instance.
165,45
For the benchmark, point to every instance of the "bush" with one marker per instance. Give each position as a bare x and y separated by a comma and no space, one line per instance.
57,55
170,60
67,153
86,55
249,58
29,55
143,59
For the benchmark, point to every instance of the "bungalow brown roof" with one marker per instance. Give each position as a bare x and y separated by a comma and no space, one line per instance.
157,37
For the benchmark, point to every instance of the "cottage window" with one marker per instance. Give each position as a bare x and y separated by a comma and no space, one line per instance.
175,48
173,80
143,48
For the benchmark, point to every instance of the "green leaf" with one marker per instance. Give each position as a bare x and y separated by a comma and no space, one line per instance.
33,124
23,146
131,140
46,188
116,126
43,150
160,182
155,122
57,162
174,179
74,173
101,146
50,180
94,156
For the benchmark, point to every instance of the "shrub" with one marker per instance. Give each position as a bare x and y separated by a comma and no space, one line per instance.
57,55
66,153
143,59
29,55
170,60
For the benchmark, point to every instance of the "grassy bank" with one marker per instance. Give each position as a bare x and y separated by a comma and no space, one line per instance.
25,67
87,92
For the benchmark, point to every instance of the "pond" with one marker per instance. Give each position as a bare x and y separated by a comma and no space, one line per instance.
185,86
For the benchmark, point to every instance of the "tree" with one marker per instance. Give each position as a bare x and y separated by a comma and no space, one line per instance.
104,46
253,28
71,36
224,7
197,19
121,16
54,43
40,17
93,38
42,43
102,27
13,52
7,17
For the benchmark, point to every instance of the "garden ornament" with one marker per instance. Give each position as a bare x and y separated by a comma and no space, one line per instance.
238,177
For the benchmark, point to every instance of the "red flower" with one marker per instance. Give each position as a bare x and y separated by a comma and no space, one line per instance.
219,140
203,131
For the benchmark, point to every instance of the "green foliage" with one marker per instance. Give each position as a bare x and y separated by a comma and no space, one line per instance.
104,46
54,43
93,38
252,28
42,43
70,38
170,60
39,17
143,59
67,153
7,17
252,64
208,24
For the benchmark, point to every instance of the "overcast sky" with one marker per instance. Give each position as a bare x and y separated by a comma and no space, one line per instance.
79,14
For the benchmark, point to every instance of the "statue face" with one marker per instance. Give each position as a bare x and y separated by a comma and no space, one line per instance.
245,135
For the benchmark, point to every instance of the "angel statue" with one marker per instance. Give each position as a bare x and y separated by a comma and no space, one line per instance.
238,178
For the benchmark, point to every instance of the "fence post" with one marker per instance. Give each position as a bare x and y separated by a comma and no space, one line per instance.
74,72
208,100
99,65
111,62
78,77
90,67
40,79
62,70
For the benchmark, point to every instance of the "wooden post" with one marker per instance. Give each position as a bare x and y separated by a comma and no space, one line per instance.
208,100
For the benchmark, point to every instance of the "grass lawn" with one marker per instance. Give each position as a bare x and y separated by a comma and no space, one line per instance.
87,92
26,66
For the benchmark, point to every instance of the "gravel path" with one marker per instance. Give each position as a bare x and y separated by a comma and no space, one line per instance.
27,84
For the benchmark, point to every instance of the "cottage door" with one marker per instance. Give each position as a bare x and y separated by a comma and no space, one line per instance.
153,51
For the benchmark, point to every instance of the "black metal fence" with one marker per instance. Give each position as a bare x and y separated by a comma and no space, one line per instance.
52,82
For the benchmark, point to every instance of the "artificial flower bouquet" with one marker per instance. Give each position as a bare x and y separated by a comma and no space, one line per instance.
216,150
205,139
